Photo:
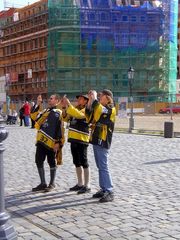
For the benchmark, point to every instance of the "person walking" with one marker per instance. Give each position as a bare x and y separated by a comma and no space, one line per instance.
101,114
21,115
49,140
78,136
26,113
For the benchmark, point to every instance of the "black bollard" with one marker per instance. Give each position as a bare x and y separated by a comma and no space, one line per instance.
7,231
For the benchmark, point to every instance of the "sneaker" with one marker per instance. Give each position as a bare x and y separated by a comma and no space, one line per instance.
84,189
49,188
99,194
40,187
75,188
108,197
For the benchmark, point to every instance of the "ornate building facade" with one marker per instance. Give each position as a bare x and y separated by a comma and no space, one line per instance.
23,51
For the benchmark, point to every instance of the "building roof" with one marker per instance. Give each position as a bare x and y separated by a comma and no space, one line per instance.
7,13
32,5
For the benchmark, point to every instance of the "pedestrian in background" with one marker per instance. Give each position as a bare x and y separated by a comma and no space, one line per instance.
32,121
101,114
21,114
78,136
49,140
27,108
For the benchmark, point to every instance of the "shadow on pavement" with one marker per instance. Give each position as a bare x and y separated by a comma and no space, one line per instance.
29,197
24,211
163,161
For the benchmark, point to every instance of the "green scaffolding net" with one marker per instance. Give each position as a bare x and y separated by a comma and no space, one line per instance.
93,43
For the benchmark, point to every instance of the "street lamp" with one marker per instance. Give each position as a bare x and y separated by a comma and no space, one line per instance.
131,80
7,231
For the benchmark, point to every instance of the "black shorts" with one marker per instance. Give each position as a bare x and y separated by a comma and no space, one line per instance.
79,154
41,154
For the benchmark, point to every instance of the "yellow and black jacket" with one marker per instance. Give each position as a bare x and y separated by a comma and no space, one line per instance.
49,126
102,119
78,127
35,110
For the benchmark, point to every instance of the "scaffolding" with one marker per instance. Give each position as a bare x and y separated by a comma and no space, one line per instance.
92,44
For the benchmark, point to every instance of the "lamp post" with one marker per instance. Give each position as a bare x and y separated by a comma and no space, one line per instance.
7,231
130,80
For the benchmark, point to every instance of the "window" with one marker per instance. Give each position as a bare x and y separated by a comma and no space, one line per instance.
104,17
45,42
125,18
142,76
31,45
152,19
15,48
25,46
133,19
125,39
104,80
40,42
82,16
92,17
8,50
85,3
36,43
115,18
142,38
142,18
20,77
117,39
134,39
4,51
125,83
153,36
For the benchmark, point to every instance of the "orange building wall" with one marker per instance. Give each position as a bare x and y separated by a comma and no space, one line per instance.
23,51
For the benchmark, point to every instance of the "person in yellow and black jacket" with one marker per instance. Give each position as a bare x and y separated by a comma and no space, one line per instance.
37,107
78,136
101,114
49,139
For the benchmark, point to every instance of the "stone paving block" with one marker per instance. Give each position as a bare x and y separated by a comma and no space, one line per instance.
72,238
99,231
107,237
145,172
92,237
169,238
65,235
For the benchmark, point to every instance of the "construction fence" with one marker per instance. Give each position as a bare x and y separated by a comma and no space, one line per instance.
139,108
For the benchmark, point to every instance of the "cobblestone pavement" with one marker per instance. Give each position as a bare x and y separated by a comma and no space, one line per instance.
146,178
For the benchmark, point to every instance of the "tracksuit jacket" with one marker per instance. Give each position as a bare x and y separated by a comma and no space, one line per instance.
78,127
102,119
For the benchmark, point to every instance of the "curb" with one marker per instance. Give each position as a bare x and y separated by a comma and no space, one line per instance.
145,132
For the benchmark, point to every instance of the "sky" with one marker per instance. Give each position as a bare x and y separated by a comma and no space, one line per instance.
15,3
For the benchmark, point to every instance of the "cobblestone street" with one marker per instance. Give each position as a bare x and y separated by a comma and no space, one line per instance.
146,176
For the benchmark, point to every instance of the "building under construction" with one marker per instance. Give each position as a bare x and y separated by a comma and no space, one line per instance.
85,44
92,44
23,50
